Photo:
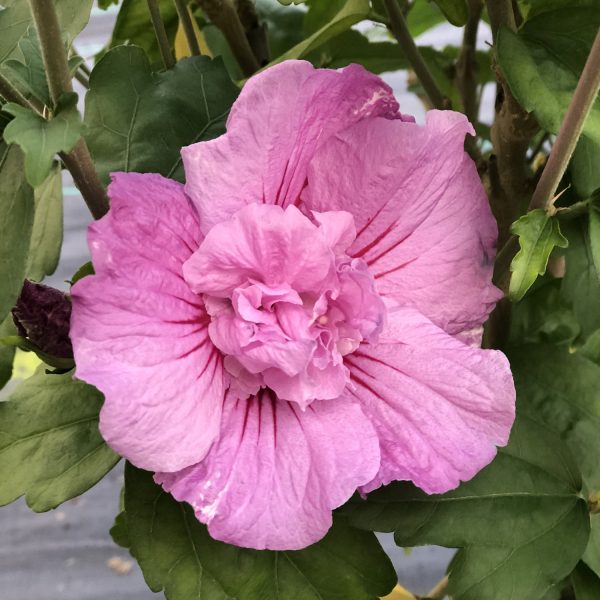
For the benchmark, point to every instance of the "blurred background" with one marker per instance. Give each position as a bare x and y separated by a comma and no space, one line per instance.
68,553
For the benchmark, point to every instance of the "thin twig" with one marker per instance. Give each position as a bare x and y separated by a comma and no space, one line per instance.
224,15
570,130
399,29
12,94
466,66
188,28
440,589
161,34
83,80
78,161
501,15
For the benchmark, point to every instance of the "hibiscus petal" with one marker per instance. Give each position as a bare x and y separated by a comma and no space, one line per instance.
276,473
272,133
264,243
440,407
140,335
424,224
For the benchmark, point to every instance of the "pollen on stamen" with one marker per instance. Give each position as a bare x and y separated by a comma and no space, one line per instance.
323,320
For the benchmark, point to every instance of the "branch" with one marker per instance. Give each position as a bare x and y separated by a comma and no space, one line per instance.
161,34
188,28
78,161
501,14
570,130
224,15
440,590
256,33
399,29
466,66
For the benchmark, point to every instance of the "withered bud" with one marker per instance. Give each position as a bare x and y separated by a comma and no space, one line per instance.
42,315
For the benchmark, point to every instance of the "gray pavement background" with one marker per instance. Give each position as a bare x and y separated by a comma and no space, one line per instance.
67,554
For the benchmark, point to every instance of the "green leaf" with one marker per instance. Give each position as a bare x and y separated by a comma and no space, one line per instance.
422,16
353,47
591,556
50,446
118,532
543,315
17,208
581,284
104,4
7,353
531,8
47,232
349,13
594,217
561,388
456,11
27,72
586,584
542,64
83,271
177,555
284,25
42,139
510,521
538,235
584,167
138,120
15,20
133,26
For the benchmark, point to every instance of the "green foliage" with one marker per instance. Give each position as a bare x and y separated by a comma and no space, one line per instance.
594,221
83,271
510,521
542,66
134,26
456,11
538,235
561,388
586,584
353,47
50,446
581,284
7,353
177,555
325,24
58,134
16,20
47,231
17,207
138,120
591,556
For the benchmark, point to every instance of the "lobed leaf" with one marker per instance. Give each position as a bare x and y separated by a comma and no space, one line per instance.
510,521
177,555
50,446
138,120
41,139
538,235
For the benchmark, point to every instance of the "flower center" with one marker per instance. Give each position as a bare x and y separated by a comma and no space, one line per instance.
286,301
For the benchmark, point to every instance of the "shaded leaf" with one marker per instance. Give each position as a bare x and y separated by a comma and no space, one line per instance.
7,353
83,271
353,47
538,235
510,521
133,26
542,64
349,13
561,388
456,11
581,284
584,170
47,232
594,217
177,555
50,446
17,208
118,532
586,584
138,120
42,139
592,552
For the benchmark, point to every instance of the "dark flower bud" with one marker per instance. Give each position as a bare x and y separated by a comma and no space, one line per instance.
42,315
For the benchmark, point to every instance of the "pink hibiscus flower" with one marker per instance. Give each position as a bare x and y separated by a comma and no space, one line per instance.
301,319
